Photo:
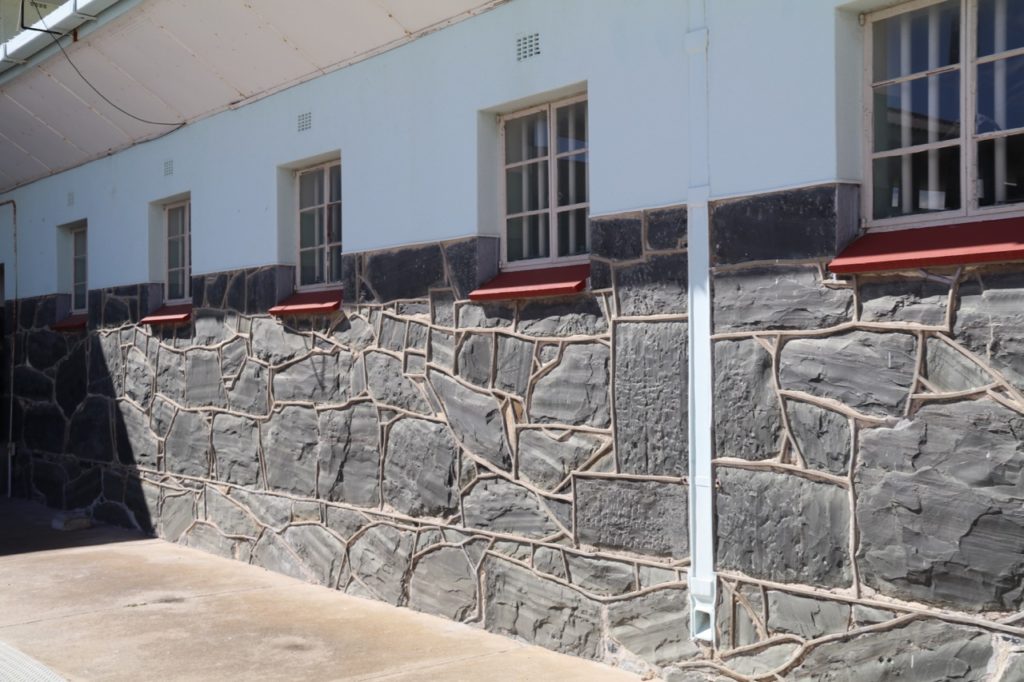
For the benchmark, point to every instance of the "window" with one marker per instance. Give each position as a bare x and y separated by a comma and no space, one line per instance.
319,204
546,196
946,126
178,223
79,272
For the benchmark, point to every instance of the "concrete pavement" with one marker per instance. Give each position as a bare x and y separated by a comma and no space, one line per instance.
107,604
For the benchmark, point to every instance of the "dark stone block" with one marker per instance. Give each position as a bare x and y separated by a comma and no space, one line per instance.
198,291
617,238
748,421
112,483
655,287
151,297
95,306
46,311
90,435
778,297
43,428
103,370
462,267
45,348
349,275
125,291
815,222
27,312
83,490
33,385
261,291
646,517
49,479
600,275
235,297
113,514
115,312
216,287
405,273
666,228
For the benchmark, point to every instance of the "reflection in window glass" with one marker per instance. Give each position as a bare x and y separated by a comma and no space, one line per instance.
179,265
320,225
1000,95
917,183
1000,26
917,41
1001,171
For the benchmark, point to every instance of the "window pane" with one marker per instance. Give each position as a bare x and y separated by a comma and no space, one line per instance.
311,188
333,223
176,284
572,127
1000,26
917,183
526,188
175,221
572,180
514,239
572,232
308,270
79,240
526,137
1001,95
335,183
174,253
79,295
528,237
913,42
309,228
932,111
334,264
1001,171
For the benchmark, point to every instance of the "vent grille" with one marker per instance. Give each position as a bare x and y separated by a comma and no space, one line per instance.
305,121
168,168
527,46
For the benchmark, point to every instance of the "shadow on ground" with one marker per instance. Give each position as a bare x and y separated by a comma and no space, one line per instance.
28,527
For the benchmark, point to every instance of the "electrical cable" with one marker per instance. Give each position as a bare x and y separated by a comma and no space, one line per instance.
94,88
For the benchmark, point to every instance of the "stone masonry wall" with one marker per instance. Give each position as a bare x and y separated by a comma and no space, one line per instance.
869,441
517,465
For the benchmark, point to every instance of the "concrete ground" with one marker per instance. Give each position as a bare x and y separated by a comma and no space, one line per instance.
107,604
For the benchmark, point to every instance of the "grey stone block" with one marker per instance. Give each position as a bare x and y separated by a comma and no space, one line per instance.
212,327
43,427
645,517
70,385
320,552
387,384
274,343
187,448
475,359
486,315
549,560
576,390
917,301
778,297
273,553
44,348
657,286
136,444
177,512
580,315
748,423
354,333
475,418
990,322
380,558
442,308
601,576
866,615
822,436
204,385
419,468
762,660
444,584
546,460
392,333
925,651
518,603
940,507
289,450
250,393
316,378
503,507
806,617
89,433
869,372
230,518
416,336
949,370
655,627
442,349
345,522
349,455
782,527
651,397
236,448
232,355
271,510
170,374
513,365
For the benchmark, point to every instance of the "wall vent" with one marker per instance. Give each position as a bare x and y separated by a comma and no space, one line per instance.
71,198
527,46
168,167
305,121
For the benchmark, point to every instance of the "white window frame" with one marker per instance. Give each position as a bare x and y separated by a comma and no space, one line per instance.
326,167
187,205
553,208
73,232
969,210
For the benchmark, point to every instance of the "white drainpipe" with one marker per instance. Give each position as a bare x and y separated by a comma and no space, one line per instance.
702,581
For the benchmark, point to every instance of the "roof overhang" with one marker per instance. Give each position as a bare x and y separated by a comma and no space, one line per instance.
178,61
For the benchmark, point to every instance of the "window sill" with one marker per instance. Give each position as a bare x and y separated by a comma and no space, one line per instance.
72,323
169,314
554,281
321,302
993,241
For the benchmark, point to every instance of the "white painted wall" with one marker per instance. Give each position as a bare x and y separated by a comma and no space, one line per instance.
417,143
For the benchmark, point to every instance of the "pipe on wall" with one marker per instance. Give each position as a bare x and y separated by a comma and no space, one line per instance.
14,340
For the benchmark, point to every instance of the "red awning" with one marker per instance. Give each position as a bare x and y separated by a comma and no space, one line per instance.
309,303
169,314
72,323
568,279
991,241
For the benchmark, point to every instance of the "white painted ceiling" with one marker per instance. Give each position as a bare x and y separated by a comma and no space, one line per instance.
182,60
